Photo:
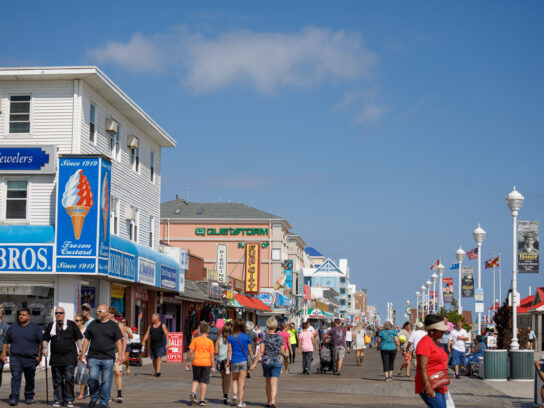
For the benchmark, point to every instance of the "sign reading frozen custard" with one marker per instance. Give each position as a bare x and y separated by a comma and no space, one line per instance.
146,271
252,268
83,212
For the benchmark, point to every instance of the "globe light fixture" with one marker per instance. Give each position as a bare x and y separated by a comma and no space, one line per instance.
460,255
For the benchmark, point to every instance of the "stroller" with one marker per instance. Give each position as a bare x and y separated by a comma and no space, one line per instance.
134,358
326,363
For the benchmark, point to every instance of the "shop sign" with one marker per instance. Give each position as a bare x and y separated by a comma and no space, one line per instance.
184,259
250,232
122,265
288,271
282,301
229,294
141,294
267,298
146,271
28,160
252,268
42,291
214,290
168,277
117,291
237,284
82,214
211,274
221,262
174,353
26,258
181,287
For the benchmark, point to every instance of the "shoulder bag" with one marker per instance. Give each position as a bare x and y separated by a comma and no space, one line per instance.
248,358
439,379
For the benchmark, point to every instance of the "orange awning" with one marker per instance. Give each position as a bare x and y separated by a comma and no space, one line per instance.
251,303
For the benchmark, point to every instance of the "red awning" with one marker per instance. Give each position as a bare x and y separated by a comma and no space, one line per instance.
251,303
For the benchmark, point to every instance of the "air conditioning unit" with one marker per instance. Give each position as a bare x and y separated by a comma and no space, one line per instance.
133,142
130,214
112,126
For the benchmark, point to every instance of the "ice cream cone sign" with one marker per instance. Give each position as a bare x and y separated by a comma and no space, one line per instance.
77,200
105,204
280,283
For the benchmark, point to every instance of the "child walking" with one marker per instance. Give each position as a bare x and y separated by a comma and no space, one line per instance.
203,350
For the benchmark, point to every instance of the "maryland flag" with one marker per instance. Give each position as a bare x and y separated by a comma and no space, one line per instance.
490,263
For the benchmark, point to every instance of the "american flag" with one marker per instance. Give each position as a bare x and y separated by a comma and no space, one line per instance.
472,254
434,265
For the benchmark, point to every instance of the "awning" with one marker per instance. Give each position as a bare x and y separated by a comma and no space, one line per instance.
251,303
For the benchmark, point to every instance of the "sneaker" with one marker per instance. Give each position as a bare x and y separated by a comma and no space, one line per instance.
225,401
457,377
69,405
12,403
29,401
234,400
56,404
192,397
241,404
119,399
202,403
92,404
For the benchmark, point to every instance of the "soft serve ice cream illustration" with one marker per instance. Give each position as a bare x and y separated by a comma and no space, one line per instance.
77,200
105,200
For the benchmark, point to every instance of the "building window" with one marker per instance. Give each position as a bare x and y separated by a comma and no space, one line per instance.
19,114
135,158
114,225
115,144
133,224
92,124
152,166
16,199
151,229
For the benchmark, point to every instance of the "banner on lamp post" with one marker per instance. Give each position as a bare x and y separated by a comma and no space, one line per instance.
467,282
447,289
528,246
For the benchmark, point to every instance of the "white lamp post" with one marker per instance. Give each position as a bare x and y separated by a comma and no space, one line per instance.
417,305
440,268
428,284
434,277
515,201
479,236
423,301
460,255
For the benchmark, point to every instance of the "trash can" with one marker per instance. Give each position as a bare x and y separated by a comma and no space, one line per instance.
538,385
521,365
495,365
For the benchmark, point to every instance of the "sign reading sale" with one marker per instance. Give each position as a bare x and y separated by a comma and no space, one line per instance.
174,354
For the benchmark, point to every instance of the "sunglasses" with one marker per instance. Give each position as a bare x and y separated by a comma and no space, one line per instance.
79,320
59,313
101,311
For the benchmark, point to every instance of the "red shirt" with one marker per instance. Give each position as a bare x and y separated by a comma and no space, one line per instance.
438,361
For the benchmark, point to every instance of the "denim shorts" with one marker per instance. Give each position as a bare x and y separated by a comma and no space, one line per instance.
458,358
156,353
439,400
237,367
271,370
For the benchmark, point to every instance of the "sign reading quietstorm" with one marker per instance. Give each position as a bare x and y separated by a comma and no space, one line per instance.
252,268
83,213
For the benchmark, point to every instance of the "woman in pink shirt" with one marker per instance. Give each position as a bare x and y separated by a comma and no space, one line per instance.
287,343
307,347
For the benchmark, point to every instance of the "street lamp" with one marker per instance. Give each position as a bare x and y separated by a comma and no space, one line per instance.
417,305
460,255
428,284
423,301
515,201
440,268
434,277
479,236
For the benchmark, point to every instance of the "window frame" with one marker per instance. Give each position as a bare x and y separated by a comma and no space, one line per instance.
135,157
92,123
114,223
152,166
134,226
151,230
115,143
30,113
27,199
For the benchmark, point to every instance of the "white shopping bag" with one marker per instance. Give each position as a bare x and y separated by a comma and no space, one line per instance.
449,401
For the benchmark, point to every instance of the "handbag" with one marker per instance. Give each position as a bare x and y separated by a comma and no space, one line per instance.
439,379
248,358
368,339
81,376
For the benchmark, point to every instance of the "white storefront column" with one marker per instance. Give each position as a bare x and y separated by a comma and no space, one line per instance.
104,293
67,294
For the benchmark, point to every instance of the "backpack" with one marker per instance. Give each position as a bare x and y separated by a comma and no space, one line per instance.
325,354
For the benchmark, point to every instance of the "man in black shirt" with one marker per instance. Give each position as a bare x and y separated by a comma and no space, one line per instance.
105,339
63,335
25,347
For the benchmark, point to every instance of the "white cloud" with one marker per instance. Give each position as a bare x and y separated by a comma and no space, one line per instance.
263,60
363,104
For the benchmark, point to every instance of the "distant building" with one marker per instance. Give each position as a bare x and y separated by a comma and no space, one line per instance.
316,257
361,301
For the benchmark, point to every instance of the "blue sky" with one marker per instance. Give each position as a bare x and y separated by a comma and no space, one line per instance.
383,132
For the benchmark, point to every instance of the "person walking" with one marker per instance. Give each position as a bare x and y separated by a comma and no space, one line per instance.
129,336
349,338
158,335
221,352
457,347
293,341
271,351
203,350
25,347
237,360
84,388
387,346
287,343
338,339
432,359
404,336
307,347
359,344
532,338
3,330
213,331
103,339
414,339
65,338
86,314
115,317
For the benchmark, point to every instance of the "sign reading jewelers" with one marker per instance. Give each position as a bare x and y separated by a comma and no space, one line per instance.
252,268
146,271
221,263
82,214
28,159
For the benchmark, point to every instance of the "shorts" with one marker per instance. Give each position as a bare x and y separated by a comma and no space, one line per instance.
271,370
473,359
156,352
458,358
237,367
407,356
117,368
201,374
348,344
339,352
220,365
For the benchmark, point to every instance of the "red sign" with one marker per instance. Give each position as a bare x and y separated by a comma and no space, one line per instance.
307,292
174,354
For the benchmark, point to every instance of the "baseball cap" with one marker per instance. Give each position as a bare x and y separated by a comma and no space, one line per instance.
86,306
420,325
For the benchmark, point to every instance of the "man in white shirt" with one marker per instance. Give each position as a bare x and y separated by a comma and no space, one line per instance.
414,339
456,346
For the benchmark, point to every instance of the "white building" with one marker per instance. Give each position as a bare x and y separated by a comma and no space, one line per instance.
47,113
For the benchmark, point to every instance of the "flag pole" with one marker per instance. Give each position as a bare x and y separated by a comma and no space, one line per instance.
500,278
493,305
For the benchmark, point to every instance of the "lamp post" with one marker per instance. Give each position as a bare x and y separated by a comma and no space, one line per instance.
417,305
434,277
479,236
440,268
428,284
515,201
460,255
423,301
